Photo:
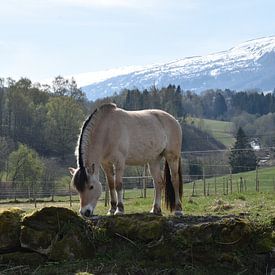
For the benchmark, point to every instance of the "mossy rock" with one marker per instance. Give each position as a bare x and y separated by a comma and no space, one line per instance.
22,258
141,227
10,229
58,233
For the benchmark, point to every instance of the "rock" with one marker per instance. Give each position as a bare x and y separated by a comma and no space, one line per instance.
142,227
22,258
58,233
10,229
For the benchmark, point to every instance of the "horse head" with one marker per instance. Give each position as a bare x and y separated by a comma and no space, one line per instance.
89,188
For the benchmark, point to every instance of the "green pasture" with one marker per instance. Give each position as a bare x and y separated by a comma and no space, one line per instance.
221,130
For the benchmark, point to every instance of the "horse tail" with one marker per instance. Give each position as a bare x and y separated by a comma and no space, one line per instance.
169,188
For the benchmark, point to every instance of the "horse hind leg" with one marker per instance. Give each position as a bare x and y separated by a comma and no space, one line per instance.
119,169
175,170
155,172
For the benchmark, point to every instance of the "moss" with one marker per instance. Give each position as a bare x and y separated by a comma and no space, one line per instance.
137,227
265,242
22,258
10,228
58,233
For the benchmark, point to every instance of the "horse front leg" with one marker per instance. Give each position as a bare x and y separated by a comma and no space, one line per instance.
155,172
110,177
119,169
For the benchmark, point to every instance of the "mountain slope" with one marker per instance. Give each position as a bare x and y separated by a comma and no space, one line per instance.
247,66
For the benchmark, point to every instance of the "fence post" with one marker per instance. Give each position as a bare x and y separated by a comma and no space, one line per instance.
204,183
70,192
34,194
257,180
231,184
53,191
29,193
194,189
241,184
223,185
144,181
215,182
226,186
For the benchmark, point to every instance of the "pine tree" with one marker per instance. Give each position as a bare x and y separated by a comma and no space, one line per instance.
242,157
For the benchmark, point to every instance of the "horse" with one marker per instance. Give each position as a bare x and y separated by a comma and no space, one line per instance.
112,138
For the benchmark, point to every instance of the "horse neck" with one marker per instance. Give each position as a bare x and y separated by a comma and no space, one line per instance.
92,152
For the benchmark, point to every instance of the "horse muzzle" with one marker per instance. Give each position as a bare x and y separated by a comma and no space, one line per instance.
86,212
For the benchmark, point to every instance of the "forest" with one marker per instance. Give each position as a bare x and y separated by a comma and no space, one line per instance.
41,123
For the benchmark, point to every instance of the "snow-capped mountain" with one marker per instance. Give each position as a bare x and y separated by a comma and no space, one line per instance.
247,66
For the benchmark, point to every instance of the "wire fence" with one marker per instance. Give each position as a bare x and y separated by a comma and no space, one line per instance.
260,180
214,178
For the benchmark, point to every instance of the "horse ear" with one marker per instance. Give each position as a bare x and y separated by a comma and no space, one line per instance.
91,169
72,170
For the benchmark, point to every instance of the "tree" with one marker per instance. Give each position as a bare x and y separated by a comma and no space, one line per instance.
64,117
242,157
24,164
66,87
220,107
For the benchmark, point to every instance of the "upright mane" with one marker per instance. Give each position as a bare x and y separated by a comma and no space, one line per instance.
80,177
87,128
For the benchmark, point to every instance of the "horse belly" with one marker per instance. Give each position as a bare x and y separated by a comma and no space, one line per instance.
144,148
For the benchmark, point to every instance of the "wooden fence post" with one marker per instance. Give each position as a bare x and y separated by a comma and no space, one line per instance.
257,180
241,184
144,181
226,186
215,182
204,182
231,183
194,188
70,193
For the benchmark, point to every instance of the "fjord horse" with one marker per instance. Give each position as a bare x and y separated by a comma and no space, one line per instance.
112,138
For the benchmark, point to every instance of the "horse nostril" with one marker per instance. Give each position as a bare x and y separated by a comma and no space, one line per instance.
87,213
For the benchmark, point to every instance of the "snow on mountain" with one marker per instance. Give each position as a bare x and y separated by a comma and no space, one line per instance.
247,66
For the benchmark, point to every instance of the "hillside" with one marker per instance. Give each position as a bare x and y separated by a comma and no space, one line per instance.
195,139
249,65
220,130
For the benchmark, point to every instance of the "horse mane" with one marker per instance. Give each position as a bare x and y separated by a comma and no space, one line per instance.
87,128
80,178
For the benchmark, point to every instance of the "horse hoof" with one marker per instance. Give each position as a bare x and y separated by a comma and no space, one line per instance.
157,213
110,213
118,213
178,213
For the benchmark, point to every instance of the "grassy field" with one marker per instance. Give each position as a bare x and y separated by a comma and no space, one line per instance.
259,205
221,130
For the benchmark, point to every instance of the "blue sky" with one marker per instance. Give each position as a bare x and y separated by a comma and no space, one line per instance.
40,39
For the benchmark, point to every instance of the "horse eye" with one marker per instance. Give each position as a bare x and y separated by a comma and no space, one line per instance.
91,187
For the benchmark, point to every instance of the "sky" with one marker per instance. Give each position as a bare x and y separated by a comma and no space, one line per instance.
41,39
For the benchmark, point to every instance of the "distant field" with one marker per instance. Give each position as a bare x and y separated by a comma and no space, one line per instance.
221,130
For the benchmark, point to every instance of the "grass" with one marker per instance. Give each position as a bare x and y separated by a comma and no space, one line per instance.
221,130
259,205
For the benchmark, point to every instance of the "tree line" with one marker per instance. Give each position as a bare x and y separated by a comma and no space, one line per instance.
213,104
39,124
